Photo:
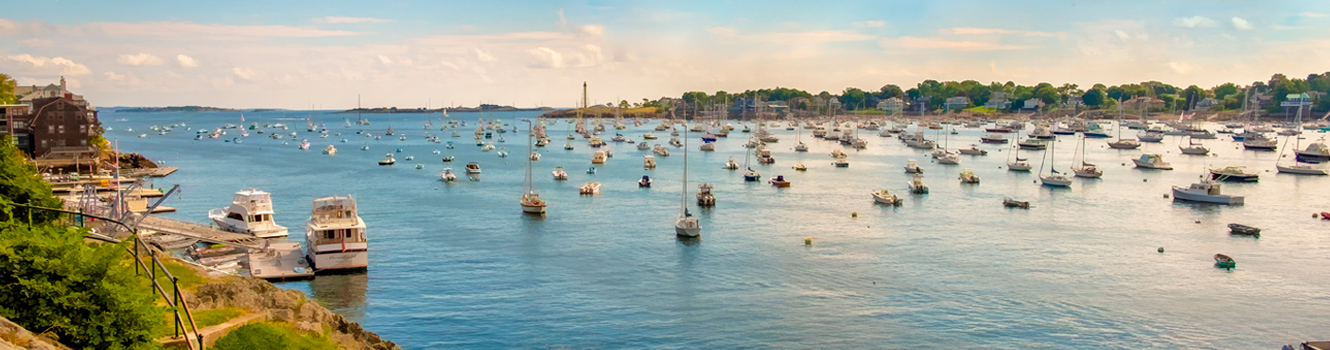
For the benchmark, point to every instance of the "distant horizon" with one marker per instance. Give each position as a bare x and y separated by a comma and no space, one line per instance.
539,53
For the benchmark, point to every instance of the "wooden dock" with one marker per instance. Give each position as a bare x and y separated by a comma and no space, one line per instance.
202,233
280,261
149,172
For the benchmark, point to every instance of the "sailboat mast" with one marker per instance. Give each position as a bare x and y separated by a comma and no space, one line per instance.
683,193
528,157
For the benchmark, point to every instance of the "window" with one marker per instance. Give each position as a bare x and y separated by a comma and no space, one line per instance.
60,143
62,129
330,234
50,129
43,143
83,142
83,129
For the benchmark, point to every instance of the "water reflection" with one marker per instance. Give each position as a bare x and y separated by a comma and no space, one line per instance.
343,294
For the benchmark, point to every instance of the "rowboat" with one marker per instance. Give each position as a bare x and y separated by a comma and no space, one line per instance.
1012,203
1225,262
1240,229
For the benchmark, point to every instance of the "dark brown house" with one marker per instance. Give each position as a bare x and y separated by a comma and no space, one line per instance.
56,124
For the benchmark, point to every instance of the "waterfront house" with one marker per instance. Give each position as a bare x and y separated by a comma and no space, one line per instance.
56,124
1143,102
1206,104
891,105
1000,100
958,102
1032,104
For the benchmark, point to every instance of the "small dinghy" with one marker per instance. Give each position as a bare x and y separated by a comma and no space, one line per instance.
1225,262
1012,203
645,182
780,181
1240,229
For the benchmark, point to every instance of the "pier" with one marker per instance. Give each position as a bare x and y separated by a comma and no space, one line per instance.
200,232
280,261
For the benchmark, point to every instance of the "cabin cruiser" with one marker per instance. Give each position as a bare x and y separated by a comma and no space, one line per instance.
917,185
993,138
648,161
335,235
250,213
1206,191
973,151
559,174
1234,174
731,164
388,160
885,197
598,157
1151,135
1316,152
1152,161
912,167
1258,141
589,188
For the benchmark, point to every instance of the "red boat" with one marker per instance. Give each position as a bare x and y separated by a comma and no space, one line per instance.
998,130
1325,215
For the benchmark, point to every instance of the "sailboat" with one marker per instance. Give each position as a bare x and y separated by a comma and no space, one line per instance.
800,146
1122,143
750,175
1020,164
531,202
687,225
1086,170
1054,178
1298,166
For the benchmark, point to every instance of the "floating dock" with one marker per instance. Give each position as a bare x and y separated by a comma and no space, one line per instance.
202,233
280,261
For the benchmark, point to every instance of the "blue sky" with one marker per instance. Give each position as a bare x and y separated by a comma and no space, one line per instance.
413,53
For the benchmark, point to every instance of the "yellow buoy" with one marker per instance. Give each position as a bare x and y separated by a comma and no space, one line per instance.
808,240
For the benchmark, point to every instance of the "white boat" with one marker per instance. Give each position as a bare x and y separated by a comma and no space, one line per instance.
661,151
707,147
1152,161
330,150
912,167
1086,170
598,157
473,168
649,161
974,151
388,160
531,202
968,176
993,138
917,185
250,213
1301,169
686,225
1151,135
1206,191
885,197
1194,148
335,235
1020,164
949,159
559,174
1315,152
731,164
589,188
447,175
1298,167
1054,178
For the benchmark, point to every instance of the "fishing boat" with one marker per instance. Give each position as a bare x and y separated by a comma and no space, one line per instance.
1012,203
473,168
1033,144
1224,261
330,150
388,160
704,196
648,161
993,138
731,164
968,177
598,157
589,188
973,151
250,213
799,167
1206,191
1234,174
883,196
1243,230
645,182
841,162
917,185
912,167
779,181
447,175
335,235
1152,161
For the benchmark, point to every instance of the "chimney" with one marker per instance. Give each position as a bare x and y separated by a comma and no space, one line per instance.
62,84
69,96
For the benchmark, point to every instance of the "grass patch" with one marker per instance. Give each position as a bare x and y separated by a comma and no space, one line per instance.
204,318
980,109
185,275
276,336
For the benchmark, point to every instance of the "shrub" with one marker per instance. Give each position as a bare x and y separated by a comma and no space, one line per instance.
272,336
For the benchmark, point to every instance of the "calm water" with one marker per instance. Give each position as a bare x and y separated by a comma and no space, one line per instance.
459,266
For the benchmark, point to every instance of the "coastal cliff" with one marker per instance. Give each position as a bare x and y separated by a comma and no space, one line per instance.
14,337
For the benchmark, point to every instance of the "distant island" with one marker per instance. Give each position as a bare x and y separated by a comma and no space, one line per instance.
175,109
481,108
261,110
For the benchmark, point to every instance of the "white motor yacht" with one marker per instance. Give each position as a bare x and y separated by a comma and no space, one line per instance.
250,213
335,235
1206,191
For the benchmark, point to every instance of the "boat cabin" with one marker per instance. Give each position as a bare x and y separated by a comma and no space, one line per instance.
334,220
1210,188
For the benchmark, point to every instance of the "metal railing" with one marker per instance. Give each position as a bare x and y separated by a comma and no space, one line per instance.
175,300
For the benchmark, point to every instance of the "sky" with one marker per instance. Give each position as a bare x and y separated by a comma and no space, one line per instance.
407,54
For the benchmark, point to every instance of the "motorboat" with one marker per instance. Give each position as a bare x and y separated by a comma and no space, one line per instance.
917,185
250,213
799,167
1243,230
1150,136
1301,169
1316,152
841,163
503,153
885,197
1033,144
487,147
731,164
1124,144
1152,161
447,175
661,151
335,237
675,142
644,146
1206,191
598,157
838,153
912,167
591,170
388,160
1012,203
949,159
704,196
473,168
994,139
589,188
973,151
1234,174
1258,142
645,182
568,146
649,136
447,159
764,156
1225,262
649,162
330,150
559,174
707,147
535,156
967,176
780,181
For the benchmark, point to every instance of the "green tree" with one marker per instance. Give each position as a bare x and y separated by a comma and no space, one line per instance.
889,91
852,98
20,183
1191,96
1094,98
7,86
1223,91
692,97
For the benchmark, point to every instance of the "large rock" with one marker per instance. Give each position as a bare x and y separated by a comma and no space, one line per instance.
14,337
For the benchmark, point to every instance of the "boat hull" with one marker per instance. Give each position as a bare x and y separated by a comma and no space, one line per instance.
1181,194
1313,157
1148,165
533,209
332,261
1301,171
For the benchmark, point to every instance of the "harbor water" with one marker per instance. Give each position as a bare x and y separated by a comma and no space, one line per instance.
457,265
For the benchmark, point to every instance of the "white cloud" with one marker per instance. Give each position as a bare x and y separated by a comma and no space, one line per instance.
140,59
335,19
998,31
39,43
112,76
483,56
244,73
992,66
1282,27
385,60
869,24
8,27
50,65
1241,24
546,58
1194,22
186,61
1179,67
1312,14
907,42
1121,34
562,21
194,31
591,30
